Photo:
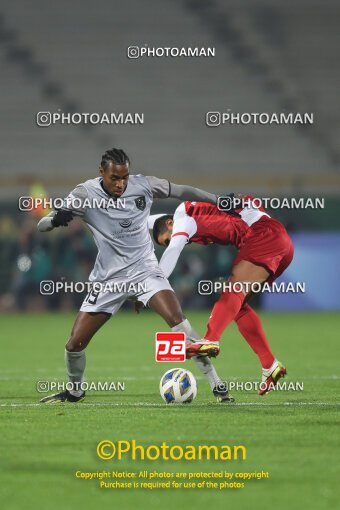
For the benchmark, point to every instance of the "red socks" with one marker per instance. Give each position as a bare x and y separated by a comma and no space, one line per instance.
230,307
250,327
223,313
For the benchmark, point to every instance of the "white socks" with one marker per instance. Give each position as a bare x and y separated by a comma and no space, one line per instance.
207,368
204,364
75,365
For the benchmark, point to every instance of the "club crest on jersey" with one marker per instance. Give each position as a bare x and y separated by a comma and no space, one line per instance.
140,203
125,223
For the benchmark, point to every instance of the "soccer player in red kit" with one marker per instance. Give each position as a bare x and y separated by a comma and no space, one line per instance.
265,250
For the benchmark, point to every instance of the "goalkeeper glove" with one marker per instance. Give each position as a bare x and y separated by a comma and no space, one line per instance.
62,218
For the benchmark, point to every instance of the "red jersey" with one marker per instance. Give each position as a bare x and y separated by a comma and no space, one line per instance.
259,238
204,223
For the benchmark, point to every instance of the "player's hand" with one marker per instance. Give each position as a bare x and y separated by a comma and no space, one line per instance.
62,218
138,306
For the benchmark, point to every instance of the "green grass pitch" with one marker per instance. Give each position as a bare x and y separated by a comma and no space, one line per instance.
293,435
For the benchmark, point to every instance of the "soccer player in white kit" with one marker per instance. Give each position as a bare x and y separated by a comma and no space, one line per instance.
125,256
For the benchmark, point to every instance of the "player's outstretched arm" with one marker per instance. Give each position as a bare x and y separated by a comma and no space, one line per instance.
184,192
161,188
171,255
60,218
74,205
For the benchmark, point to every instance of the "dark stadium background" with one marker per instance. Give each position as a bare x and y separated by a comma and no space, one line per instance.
271,56
71,56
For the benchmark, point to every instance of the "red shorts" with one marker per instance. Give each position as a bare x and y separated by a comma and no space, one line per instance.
267,244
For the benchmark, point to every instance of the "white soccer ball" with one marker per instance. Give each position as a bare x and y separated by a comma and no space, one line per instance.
178,386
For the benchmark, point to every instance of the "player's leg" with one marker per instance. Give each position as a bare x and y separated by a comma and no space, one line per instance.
229,307
269,238
84,328
166,304
250,327
270,249
230,302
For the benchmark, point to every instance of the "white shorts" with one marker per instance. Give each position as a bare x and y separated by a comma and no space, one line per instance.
109,296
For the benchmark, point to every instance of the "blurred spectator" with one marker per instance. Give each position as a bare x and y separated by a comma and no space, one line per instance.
28,257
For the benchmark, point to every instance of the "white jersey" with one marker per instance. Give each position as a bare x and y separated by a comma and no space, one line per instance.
119,226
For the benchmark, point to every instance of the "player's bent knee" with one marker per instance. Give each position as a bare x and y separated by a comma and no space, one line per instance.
75,344
175,318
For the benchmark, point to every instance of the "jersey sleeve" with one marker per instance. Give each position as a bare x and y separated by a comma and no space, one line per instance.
189,193
76,201
171,255
160,187
184,225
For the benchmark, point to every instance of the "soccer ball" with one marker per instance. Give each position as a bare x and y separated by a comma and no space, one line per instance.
178,386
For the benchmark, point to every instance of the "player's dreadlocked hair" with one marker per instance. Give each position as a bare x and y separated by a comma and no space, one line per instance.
117,156
159,227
